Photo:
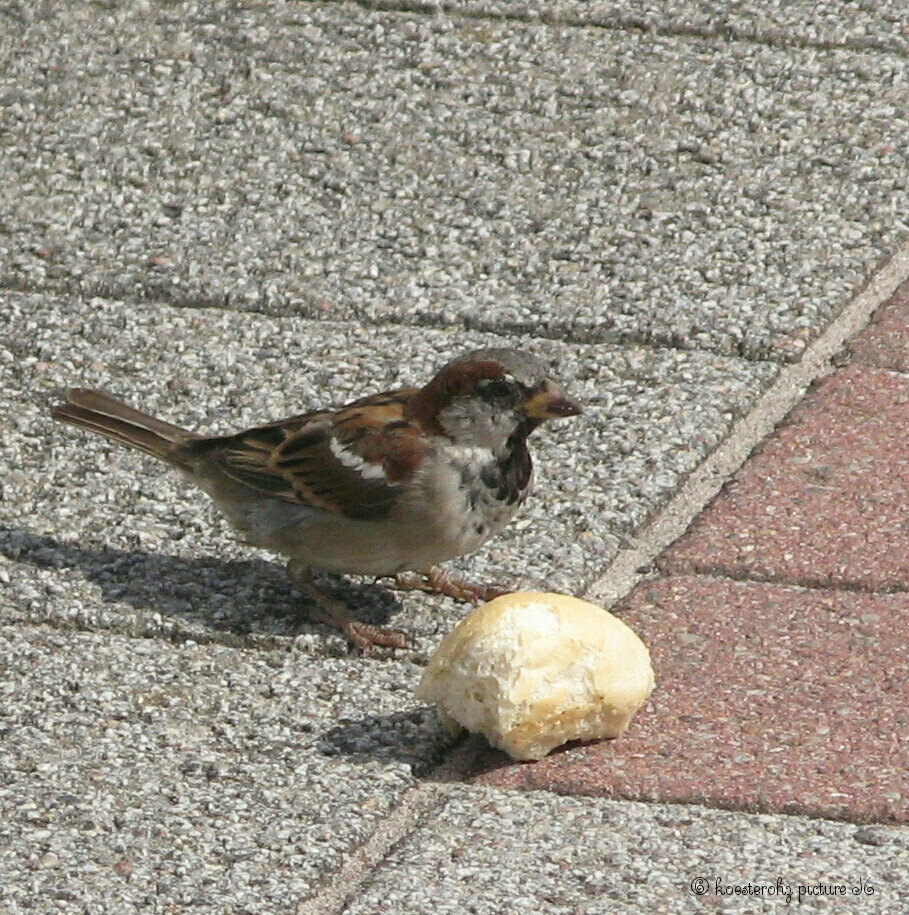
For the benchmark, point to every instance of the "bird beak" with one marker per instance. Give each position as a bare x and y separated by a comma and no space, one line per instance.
551,401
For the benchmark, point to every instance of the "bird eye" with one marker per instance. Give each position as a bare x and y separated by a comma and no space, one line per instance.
495,388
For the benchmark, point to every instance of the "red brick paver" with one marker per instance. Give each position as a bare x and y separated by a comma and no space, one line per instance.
769,698
824,500
885,342
779,628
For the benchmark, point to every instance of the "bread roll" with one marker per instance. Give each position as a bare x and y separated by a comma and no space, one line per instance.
532,671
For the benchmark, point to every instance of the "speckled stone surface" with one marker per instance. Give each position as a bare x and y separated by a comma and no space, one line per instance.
492,852
458,170
227,212
885,342
768,698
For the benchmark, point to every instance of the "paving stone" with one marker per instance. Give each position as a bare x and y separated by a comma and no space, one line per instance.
490,852
145,775
334,162
884,344
768,698
97,535
822,502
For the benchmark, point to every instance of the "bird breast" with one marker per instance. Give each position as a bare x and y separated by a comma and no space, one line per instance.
474,495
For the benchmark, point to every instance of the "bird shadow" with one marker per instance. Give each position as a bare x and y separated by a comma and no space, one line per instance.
242,597
254,597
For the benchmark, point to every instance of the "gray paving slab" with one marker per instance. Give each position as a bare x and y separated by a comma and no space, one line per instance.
498,853
173,733
337,162
98,536
141,775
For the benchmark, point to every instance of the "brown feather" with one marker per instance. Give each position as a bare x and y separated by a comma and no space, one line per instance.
457,380
99,412
352,462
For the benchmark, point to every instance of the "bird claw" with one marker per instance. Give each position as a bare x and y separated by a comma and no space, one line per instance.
331,612
441,581
365,636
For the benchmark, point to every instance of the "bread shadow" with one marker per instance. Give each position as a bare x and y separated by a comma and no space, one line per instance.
418,738
415,737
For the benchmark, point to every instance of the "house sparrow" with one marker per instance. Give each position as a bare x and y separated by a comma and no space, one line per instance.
390,484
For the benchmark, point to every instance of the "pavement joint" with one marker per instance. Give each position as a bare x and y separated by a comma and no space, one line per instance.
617,23
634,564
586,336
415,808
720,572
562,334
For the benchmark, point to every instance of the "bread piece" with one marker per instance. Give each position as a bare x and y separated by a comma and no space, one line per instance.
533,670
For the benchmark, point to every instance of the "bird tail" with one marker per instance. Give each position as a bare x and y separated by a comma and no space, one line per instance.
102,413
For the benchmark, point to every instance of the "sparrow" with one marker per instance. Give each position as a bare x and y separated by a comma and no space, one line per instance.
390,485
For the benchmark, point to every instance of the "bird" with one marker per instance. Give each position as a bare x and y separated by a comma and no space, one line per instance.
388,485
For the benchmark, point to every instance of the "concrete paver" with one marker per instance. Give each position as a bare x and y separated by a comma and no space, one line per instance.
822,503
335,162
650,418
885,342
139,773
504,853
114,564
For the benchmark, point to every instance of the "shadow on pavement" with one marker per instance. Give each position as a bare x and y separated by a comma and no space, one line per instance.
414,737
238,596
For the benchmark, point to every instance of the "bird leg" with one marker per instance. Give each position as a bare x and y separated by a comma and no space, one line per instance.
441,581
333,613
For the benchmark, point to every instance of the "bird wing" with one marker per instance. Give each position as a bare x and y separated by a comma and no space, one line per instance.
354,461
